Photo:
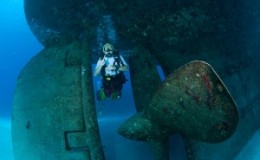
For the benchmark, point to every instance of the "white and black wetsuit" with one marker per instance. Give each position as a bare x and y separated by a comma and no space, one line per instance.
113,80
111,61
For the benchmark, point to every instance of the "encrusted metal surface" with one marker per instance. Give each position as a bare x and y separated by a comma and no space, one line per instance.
192,101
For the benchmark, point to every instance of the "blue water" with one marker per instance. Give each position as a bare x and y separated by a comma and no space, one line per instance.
17,46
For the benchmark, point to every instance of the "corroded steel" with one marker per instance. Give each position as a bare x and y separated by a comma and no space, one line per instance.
192,101
54,112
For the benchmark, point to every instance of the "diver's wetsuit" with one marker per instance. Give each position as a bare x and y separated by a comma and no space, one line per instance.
113,84
112,81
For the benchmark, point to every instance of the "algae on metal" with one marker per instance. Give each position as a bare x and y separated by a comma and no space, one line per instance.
54,113
55,22
144,76
192,101
145,79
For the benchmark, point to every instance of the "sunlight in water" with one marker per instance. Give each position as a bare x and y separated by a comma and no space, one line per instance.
5,140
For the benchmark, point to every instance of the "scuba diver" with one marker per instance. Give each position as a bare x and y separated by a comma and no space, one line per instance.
111,66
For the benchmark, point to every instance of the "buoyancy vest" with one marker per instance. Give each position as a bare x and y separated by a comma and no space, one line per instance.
115,60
